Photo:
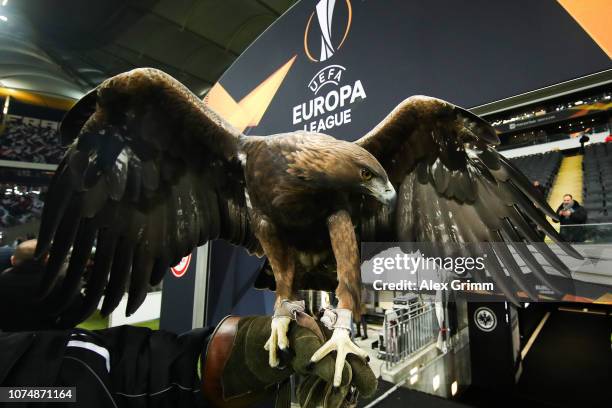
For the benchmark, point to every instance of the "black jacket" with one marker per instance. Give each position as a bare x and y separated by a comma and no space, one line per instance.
120,367
20,306
573,233
579,215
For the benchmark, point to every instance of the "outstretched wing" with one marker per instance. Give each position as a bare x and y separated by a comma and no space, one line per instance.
454,187
151,174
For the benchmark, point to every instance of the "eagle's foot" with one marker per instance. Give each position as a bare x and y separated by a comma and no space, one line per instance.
278,339
340,342
283,314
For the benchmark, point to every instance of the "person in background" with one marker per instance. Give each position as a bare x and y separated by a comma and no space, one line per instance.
21,308
542,190
583,139
365,299
571,213
539,187
24,252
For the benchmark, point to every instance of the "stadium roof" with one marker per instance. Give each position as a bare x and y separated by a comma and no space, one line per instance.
66,47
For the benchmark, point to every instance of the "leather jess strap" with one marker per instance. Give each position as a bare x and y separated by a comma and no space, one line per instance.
307,321
213,361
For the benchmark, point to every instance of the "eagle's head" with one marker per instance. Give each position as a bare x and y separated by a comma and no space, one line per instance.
366,175
342,166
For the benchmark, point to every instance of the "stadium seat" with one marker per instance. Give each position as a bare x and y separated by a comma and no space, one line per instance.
597,176
542,167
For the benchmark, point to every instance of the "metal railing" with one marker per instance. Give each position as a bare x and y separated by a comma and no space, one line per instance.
408,331
593,233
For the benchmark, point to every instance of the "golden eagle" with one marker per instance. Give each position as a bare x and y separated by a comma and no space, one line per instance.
152,173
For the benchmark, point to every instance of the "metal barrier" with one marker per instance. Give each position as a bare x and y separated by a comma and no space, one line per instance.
595,233
407,331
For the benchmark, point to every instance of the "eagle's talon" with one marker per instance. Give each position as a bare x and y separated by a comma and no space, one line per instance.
341,343
278,339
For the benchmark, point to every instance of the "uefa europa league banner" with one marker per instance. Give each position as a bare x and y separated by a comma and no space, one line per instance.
340,66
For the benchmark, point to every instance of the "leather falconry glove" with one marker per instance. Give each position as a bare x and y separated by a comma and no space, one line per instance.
236,372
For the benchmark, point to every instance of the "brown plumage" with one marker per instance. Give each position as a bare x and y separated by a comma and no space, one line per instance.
296,184
152,173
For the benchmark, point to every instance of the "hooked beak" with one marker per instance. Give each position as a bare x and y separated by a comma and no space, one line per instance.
387,195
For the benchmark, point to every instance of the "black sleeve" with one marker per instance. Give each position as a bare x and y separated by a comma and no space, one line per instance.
579,215
23,354
20,306
155,368
120,367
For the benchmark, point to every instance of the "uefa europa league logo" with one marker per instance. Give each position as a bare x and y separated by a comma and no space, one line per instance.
324,12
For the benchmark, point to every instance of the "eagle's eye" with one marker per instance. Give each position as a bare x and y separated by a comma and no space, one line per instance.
366,174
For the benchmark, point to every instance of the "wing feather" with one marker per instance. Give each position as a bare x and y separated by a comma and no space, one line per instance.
119,275
453,187
151,173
